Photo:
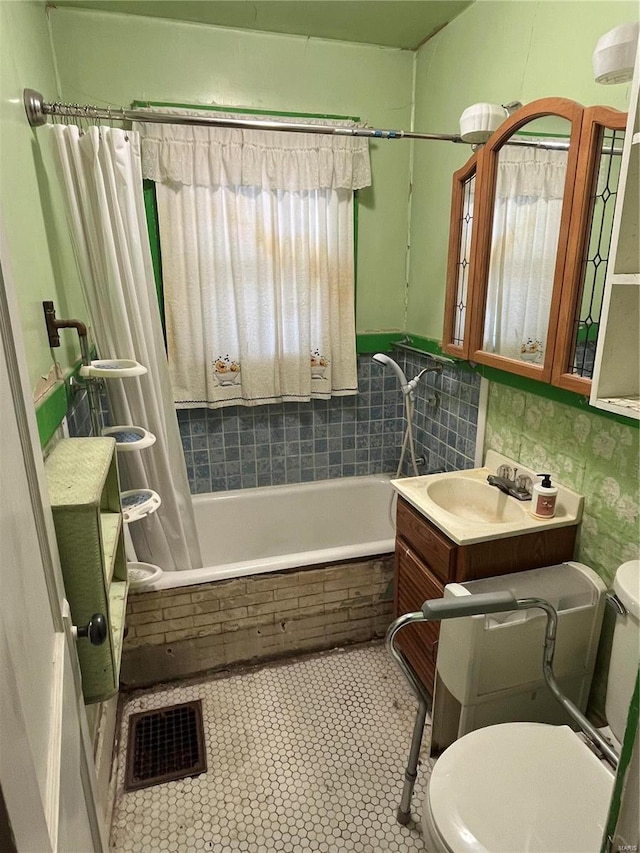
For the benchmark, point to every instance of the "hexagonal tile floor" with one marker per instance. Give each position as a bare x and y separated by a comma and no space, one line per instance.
307,755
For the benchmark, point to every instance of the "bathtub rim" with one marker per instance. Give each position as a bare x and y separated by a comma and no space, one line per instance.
305,485
294,560
290,562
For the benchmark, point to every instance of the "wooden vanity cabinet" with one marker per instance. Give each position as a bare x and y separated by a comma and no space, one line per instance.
426,560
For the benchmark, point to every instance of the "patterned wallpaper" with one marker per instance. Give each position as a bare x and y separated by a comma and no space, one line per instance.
587,452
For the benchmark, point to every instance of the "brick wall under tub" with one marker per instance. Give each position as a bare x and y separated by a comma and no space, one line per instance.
180,632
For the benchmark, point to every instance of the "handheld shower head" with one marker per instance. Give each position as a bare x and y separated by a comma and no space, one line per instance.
385,361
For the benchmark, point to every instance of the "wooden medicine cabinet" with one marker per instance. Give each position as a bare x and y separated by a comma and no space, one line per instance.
531,225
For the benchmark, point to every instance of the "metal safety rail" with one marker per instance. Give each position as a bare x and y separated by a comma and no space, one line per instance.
474,605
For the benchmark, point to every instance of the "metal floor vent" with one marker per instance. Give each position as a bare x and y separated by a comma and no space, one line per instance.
165,744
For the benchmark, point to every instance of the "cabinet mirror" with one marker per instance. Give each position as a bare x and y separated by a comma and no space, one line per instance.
526,177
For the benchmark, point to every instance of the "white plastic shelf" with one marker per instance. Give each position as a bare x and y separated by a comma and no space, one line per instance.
142,574
113,368
129,438
139,503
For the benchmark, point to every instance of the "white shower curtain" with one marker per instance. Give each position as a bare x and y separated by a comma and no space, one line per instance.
101,175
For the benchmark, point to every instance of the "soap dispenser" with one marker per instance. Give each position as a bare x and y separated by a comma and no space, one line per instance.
544,498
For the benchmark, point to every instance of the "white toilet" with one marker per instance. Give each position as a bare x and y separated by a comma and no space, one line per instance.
532,787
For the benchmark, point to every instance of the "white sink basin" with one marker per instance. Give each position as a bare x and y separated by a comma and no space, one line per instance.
473,500
467,509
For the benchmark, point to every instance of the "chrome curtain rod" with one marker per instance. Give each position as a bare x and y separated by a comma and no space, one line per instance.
38,110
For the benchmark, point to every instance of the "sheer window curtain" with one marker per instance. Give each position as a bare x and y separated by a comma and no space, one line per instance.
256,230
526,227
102,182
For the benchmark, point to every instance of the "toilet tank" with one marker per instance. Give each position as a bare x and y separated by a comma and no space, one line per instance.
625,650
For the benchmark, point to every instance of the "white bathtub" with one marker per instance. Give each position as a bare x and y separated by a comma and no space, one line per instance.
268,529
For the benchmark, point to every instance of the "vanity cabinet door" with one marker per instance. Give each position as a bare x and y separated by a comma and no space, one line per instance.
430,545
415,584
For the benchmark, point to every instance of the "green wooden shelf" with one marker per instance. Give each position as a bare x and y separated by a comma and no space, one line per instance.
84,491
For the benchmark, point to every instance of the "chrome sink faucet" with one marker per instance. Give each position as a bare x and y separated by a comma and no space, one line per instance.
511,483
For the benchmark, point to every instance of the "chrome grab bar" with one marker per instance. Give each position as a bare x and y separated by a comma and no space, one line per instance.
474,605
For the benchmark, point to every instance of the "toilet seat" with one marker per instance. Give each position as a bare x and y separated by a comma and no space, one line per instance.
526,787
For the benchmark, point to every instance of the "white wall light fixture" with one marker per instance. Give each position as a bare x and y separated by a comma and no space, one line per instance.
615,54
478,122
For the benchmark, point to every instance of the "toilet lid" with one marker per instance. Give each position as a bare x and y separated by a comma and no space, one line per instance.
520,786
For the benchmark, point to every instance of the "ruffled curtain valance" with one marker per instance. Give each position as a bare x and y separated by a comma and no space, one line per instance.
177,155
531,172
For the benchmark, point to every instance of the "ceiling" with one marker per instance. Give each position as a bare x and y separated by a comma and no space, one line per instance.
393,23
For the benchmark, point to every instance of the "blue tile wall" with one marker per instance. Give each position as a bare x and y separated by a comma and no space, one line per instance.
241,447
79,416
446,414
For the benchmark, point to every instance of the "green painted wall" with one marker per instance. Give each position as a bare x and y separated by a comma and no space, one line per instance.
39,250
497,51
115,59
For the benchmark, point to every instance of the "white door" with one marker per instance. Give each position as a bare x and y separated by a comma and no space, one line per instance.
46,768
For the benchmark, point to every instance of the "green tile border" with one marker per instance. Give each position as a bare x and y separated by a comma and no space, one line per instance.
550,392
51,411
383,342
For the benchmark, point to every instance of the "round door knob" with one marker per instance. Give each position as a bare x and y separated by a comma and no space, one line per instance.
95,630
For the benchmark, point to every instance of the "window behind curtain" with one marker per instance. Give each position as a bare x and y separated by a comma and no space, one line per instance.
256,230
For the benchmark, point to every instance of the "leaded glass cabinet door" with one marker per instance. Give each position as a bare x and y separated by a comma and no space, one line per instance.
457,316
589,242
